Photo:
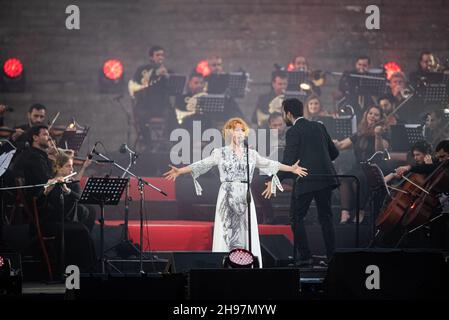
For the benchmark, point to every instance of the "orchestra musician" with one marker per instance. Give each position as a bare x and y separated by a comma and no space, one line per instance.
425,65
278,87
313,108
148,88
349,86
370,138
185,106
437,127
36,116
300,63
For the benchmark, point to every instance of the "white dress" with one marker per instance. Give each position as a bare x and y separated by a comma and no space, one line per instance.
230,228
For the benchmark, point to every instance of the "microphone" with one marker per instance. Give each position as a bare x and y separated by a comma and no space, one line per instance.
93,151
124,148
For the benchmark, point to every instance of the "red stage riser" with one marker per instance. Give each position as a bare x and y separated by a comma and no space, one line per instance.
185,235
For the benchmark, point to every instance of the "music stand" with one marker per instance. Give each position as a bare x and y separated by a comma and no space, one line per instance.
300,95
295,78
176,84
378,188
339,128
372,85
434,93
404,136
233,84
103,191
73,139
210,103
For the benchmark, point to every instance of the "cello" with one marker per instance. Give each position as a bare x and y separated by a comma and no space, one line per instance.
422,208
407,192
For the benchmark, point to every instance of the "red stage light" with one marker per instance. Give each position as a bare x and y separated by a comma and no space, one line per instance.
13,67
113,69
290,67
390,68
203,68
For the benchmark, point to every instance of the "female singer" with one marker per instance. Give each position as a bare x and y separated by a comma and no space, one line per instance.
230,231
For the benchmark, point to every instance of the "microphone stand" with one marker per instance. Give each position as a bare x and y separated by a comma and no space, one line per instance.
248,196
141,184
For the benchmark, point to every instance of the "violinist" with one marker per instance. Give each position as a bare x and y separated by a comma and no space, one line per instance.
369,139
36,116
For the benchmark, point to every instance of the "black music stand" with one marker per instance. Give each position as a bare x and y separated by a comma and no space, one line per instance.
103,191
295,78
176,84
403,136
378,190
434,93
233,84
339,128
210,104
372,85
73,139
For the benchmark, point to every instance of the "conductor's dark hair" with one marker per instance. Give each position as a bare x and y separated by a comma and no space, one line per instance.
153,49
36,106
294,106
34,131
422,146
443,145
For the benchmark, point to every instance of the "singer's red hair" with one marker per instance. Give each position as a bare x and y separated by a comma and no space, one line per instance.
232,123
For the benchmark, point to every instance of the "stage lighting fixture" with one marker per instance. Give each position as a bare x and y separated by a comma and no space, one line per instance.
13,76
240,258
111,78
202,68
390,68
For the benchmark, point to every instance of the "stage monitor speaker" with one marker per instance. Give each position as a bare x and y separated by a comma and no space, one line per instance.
184,261
244,284
277,250
154,287
386,274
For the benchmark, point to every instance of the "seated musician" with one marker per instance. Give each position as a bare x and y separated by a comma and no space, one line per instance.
78,221
36,116
278,87
313,108
387,104
441,154
426,60
369,139
148,88
183,105
437,127
348,87
231,107
300,63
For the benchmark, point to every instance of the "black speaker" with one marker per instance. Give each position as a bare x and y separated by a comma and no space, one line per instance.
179,262
129,287
387,274
277,250
244,284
